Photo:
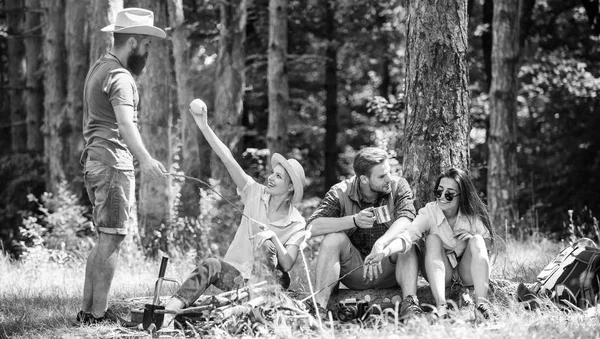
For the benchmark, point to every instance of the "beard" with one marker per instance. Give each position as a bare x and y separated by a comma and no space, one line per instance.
136,62
385,188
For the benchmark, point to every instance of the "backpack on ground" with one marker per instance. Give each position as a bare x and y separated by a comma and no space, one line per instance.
571,279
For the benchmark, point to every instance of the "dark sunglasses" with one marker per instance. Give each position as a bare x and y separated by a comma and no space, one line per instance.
449,196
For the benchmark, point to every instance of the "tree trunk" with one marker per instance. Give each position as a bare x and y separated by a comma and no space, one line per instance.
279,94
77,64
195,150
16,74
101,14
437,119
33,94
486,42
156,121
502,139
331,108
55,92
230,82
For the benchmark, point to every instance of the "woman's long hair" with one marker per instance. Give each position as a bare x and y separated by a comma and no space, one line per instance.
470,203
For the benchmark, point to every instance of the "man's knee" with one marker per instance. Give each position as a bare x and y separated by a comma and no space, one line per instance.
334,241
108,242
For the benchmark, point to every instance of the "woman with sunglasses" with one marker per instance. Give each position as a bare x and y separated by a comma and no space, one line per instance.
459,235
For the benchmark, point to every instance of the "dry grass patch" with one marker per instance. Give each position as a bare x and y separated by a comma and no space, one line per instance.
40,299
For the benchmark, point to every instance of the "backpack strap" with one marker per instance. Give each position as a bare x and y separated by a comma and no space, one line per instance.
587,278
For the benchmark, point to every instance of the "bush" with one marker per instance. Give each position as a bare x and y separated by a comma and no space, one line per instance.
58,231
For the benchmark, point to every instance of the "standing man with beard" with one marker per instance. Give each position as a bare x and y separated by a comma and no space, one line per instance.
111,141
347,220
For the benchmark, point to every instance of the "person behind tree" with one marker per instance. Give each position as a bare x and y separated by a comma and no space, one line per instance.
256,250
458,234
347,220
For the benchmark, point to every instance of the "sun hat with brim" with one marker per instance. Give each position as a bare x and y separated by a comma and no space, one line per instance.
296,173
135,21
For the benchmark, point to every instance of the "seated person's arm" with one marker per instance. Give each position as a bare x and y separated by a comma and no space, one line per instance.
404,212
286,255
326,218
403,240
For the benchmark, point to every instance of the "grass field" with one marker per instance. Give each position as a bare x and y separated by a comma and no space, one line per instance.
39,299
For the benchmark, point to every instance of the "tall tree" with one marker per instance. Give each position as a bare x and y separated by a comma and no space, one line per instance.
229,84
16,74
155,122
190,152
195,149
502,139
437,117
279,93
102,13
55,92
331,107
33,94
77,66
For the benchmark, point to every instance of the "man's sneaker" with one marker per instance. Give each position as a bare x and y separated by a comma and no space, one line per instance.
482,312
409,307
109,317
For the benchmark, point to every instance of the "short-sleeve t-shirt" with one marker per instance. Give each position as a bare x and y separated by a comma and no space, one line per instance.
289,230
107,84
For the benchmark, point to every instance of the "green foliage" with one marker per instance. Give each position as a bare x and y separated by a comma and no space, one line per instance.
20,175
58,231
582,225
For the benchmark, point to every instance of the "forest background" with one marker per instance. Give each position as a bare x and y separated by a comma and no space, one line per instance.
505,89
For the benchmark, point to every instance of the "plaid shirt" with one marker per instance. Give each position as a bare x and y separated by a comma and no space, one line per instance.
332,206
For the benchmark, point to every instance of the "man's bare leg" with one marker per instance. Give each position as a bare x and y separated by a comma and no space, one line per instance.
101,269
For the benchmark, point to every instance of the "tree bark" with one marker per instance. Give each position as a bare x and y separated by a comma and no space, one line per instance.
331,108
279,94
502,139
16,74
486,42
156,121
33,94
195,153
55,92
101,14
230,82
437,118
77,67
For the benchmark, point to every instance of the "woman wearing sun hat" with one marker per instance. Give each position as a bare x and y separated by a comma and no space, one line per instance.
268,239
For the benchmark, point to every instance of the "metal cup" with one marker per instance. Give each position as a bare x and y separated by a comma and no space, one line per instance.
382,214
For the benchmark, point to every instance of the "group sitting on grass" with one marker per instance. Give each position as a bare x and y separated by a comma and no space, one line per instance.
456,228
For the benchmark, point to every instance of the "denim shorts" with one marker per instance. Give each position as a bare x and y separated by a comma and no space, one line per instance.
112,193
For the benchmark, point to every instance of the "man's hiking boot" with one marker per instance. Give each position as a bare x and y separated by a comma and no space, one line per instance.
83,318
109,317
409,307
482,312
